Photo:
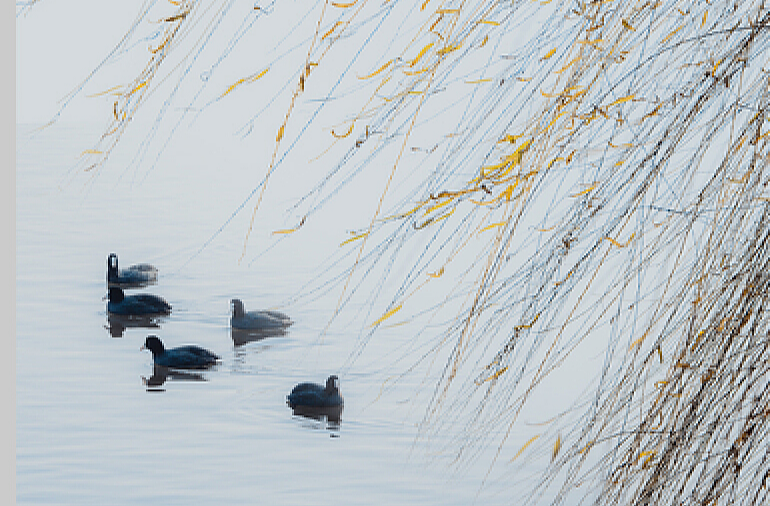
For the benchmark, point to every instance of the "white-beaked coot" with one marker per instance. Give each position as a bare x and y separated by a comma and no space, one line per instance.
142,304
136,276
256,320
182,357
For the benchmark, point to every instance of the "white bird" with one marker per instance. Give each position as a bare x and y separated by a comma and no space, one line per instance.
256,320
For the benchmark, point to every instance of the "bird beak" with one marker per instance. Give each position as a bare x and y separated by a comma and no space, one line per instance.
106,295
143,348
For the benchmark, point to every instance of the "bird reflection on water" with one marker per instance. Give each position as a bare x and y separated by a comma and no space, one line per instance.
332,415
161,374
244,336
117,324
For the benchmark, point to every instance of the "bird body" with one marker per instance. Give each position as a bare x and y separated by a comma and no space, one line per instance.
136,305
135,276
256,320
313,395
183,357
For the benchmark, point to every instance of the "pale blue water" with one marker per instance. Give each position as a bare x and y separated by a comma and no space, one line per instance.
88,429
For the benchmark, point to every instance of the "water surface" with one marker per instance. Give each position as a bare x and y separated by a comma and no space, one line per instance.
90,430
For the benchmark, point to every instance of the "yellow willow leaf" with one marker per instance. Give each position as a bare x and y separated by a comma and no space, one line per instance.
387,63
549,54
387,315
554,120
491,226
437,206
279,136
518,328
91,152
705,17
622,100
515,158
587,190
666,39
448,49
354,238
488,22
448,11
567,65
439,18
424,4
619,163
452,194
627,25
431,221
436,274
111,90
233,86
421,54
478,81
557,159
563,92
291,230
546,229
638,342
153,51
494,376
586,447
512,160
510,138
645,454
177,17
524,79
331,30
416,72
591,42
484,41
342,136
660,354
714,69
343,6
490,169
138,87
556,448
654,112
443,216
569,158
619,245
521,450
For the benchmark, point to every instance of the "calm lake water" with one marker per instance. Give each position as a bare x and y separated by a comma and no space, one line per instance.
90,431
